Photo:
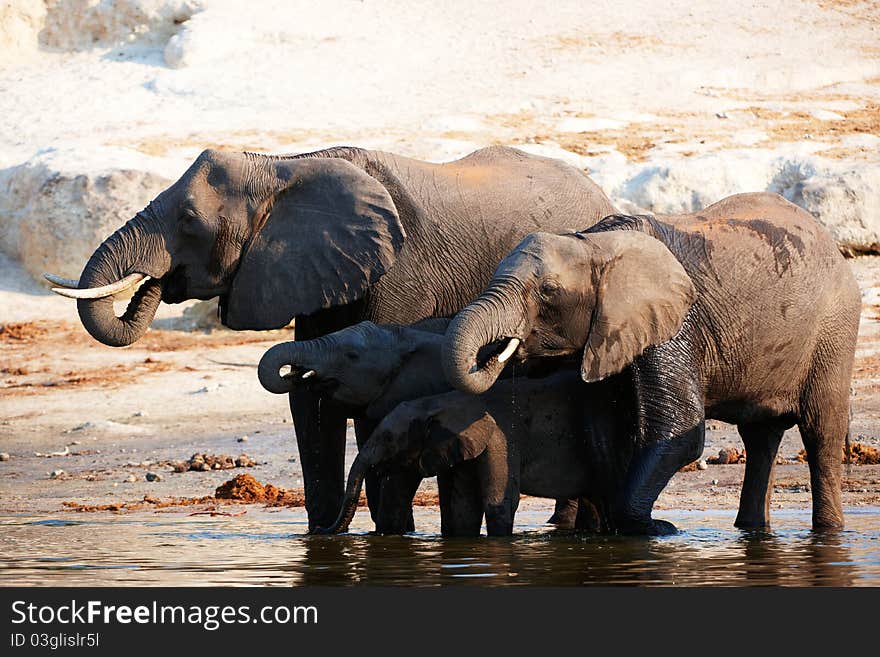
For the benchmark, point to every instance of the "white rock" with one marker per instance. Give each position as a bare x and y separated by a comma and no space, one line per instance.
55,210
848,204
84,24
20,25
825,115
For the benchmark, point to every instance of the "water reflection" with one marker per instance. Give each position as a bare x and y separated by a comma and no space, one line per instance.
272,549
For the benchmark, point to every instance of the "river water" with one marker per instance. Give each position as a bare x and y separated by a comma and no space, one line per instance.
270,548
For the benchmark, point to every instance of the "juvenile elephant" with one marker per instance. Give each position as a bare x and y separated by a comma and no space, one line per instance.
522,436
370,369
329,238
745,312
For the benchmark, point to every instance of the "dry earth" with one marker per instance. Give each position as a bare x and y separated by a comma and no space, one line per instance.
118,414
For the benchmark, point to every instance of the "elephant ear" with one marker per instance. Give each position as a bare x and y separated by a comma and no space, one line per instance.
642,297
321,241
455,436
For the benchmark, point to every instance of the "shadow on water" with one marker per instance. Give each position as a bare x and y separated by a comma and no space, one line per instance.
271,549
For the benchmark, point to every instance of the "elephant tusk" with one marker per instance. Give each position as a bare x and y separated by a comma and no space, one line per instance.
63,282
308,374
508,350
103,291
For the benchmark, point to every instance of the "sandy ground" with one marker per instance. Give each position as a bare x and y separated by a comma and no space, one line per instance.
118,414
618,80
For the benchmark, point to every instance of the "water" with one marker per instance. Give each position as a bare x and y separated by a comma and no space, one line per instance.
262,548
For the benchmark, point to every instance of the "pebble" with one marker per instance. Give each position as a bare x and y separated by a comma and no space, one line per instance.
55,474
714,482
130,479
243,439
153,476
139,414
702,465
4,456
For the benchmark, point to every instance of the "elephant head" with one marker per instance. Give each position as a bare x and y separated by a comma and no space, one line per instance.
272,237
609,295
364,365
427,436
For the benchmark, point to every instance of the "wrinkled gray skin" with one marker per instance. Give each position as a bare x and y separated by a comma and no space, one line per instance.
371,369
745,312
522,436
330,238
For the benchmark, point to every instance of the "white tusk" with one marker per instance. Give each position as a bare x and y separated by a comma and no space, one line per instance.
508,350
103,291
309,374
63,282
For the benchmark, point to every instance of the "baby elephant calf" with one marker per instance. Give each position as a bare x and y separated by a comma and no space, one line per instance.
522,436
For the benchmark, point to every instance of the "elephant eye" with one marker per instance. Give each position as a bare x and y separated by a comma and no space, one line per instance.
352,355
549,287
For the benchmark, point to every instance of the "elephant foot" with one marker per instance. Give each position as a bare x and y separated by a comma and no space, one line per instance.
645,527
321,531
565,514
746,522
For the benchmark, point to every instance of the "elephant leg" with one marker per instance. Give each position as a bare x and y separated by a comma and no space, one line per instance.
320,427
824,429
588,518
461,505
363,428
670,433
564,514
395,514
761,440
498,471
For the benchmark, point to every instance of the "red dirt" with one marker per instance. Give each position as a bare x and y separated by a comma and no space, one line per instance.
241,489
860,454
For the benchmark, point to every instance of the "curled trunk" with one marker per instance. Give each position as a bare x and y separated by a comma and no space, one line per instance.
137,247
484,323
300,356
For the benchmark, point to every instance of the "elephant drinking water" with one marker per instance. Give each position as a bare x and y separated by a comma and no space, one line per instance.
329,238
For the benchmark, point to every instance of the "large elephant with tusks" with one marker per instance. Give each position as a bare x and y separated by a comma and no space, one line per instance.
328,238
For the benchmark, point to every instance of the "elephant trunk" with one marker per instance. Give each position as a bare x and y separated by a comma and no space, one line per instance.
479,341
137,247
352,497
301,356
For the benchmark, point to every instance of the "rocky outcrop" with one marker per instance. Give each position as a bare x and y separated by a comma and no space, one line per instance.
845,198
20,25
53,213
83,24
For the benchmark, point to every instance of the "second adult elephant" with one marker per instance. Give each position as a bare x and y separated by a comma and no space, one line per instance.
744,312
329,238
